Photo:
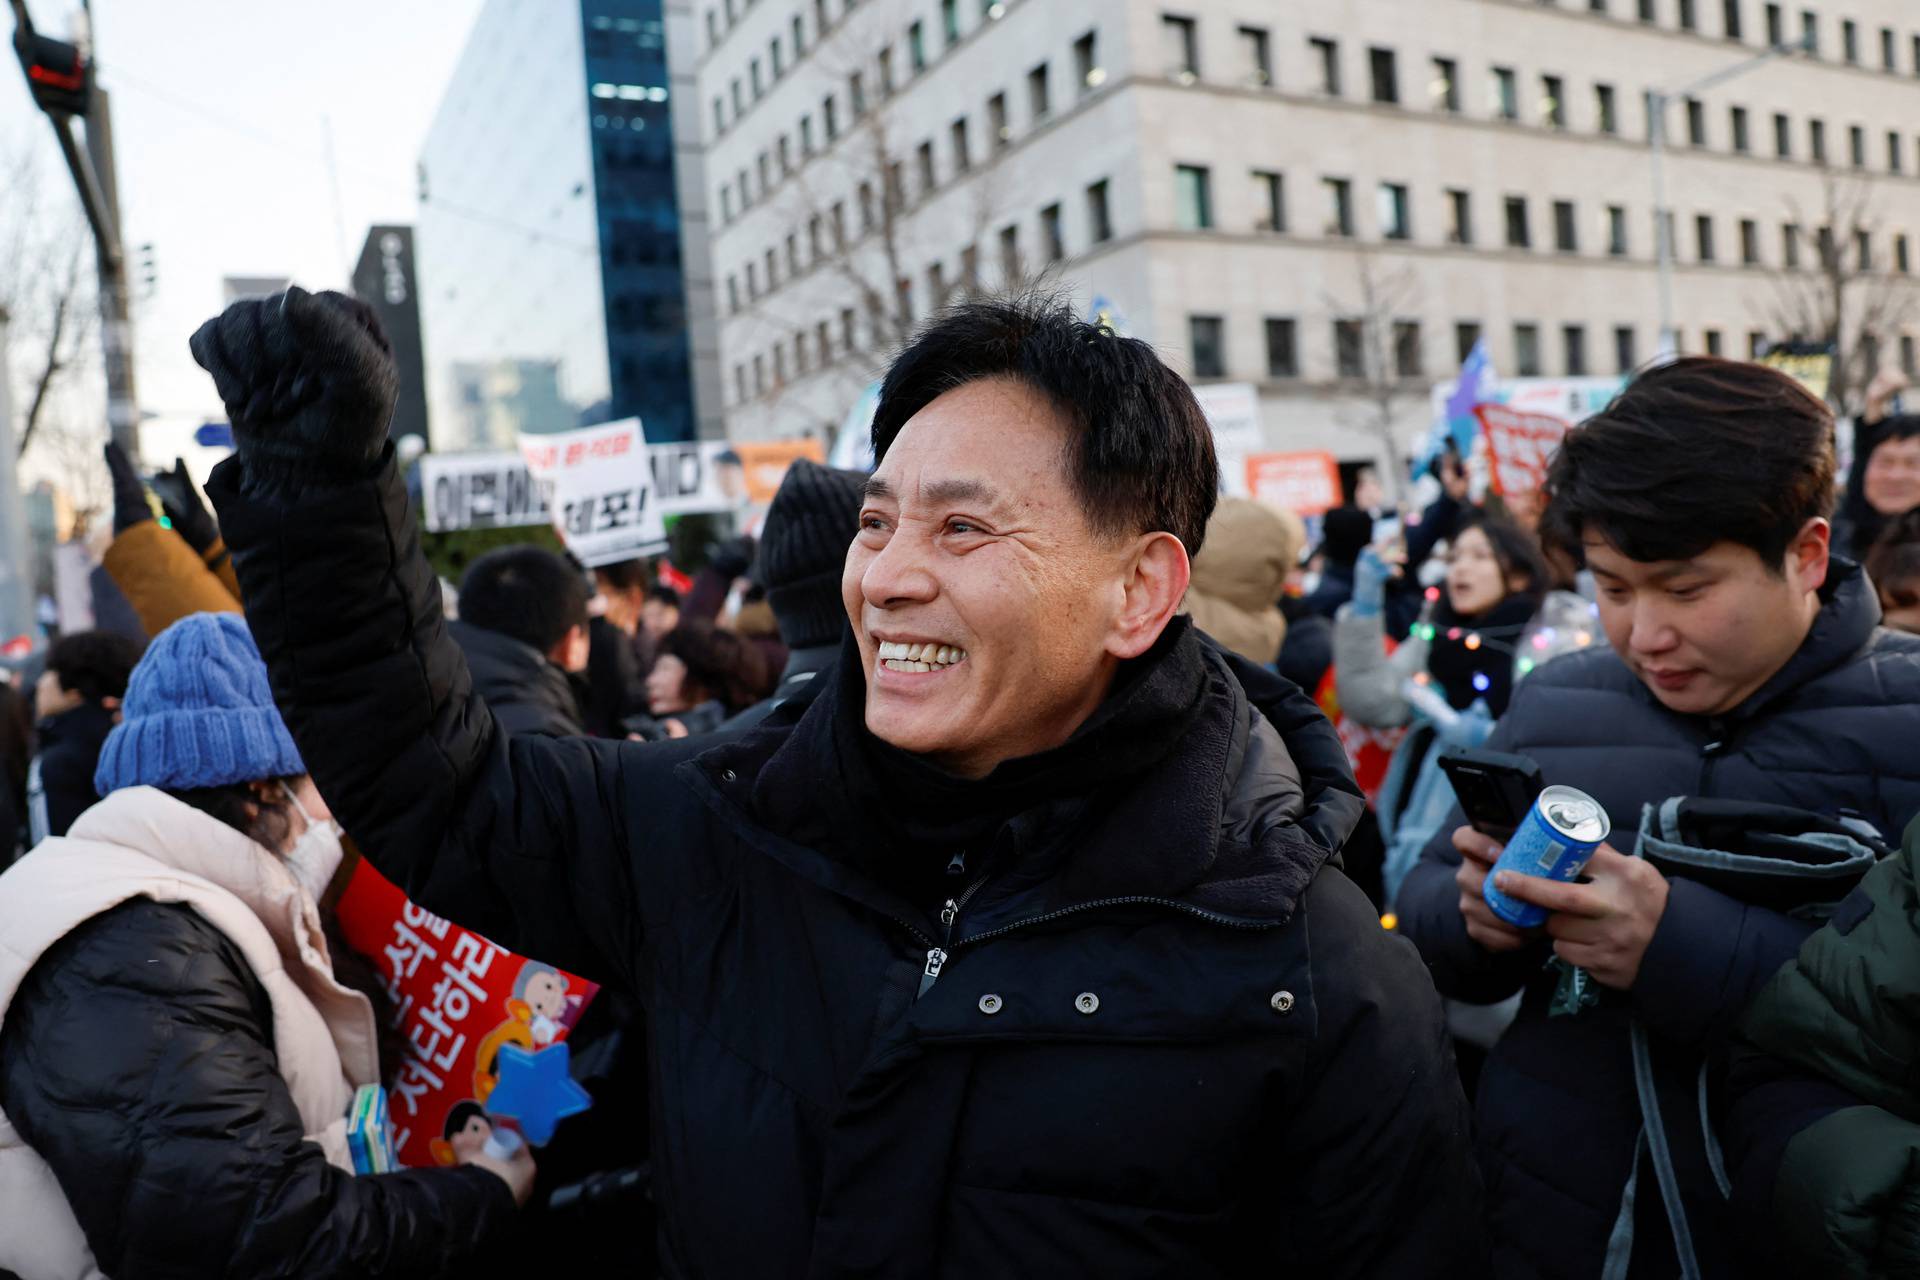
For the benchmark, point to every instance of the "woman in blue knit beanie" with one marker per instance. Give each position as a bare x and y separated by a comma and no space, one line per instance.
179,1041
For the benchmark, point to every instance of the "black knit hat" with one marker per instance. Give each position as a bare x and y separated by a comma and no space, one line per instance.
803,548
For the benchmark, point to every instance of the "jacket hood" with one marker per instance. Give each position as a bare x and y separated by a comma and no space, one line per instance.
1239,575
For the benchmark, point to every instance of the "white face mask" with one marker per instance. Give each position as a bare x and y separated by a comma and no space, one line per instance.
316,855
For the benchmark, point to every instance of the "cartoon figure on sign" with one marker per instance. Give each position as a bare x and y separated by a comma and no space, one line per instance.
535,1014
464,1134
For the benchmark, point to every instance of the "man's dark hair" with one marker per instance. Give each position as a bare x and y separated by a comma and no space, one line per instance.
528,593
1894,561
1692,453
94,664
625,575
1142,457
665,594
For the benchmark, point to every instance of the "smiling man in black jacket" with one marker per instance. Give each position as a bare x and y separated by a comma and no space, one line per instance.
1019,951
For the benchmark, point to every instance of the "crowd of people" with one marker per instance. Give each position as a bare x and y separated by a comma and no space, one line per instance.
1019,859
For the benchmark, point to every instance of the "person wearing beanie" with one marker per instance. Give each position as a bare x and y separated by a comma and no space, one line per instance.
181,1037
803,551
1239,574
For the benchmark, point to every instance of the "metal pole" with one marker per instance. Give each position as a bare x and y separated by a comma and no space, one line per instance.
116,323
16,552
1669,343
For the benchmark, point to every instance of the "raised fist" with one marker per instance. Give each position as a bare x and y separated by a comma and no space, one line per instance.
309,384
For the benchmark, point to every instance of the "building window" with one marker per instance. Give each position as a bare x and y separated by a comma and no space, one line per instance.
1901,261
1756,343
849,331
1086,62
1810,32
1689,19
837,218
1737,118
1526,350
1896,153
1385,76
1181,39
1782,136
1349,350
1099,217
1206,336
1552,110
1506,94
1696,122
1459,216
1395,218
970,268
740,383
1625,360
1850,40
1607,113
886,72
1916,55
733,295
1817,140
997,126
1518,234
917,47
753,77
1566,235
1270,190
936,287
1907,361
759,375
950,21
1646,10
1703,235
823,342
806,135
1574,338
1407,360
1038,100
1257,56
857,94
1466,336
1749,242
1789,245
1193,197
1339,206
719,115
923,162
867,215
1616,231
1857,146
1445,89
1327,54
1715,347
1011,269
830,118
1283,358
775,58
799,36
1730,23
1776,26
1863,255
1889,61
962,154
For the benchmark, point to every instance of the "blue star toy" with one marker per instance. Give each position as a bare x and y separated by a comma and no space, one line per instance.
535,1091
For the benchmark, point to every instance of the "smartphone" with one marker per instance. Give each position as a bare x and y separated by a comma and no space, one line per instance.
1495,789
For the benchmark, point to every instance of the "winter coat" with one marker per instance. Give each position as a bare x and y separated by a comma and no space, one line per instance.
60,779
176,1063
1831,732
1825,1132
1240,572
525,692
1191,1050
805,671
165,579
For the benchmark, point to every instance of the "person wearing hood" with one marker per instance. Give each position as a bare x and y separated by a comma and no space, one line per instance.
1239,575
1883,483
803,547
523,627
1023,949
75,701
178,1051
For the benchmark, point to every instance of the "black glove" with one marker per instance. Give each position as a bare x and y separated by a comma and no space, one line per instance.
309,384
730,559
181,501
129,496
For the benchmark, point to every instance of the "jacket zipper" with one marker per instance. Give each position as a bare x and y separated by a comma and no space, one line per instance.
937,956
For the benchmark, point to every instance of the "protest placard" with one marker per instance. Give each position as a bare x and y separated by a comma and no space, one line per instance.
1233,411
457,998
1307,484
1519,446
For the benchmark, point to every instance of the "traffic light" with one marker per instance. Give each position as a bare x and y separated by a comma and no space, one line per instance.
59,75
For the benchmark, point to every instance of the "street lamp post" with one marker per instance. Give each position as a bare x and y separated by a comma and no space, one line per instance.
1657,103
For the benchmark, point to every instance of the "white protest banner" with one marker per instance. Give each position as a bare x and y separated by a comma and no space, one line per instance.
479,491
1233,411
1519,446
599,490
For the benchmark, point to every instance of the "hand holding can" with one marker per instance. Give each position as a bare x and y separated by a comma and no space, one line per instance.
1554,842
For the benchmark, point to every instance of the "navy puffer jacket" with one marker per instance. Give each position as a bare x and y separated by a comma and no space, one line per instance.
1833,732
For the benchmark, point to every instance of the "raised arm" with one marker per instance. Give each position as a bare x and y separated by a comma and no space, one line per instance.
524,840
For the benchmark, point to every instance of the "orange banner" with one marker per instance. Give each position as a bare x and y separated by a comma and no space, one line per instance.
765,465
1307,484
1519,446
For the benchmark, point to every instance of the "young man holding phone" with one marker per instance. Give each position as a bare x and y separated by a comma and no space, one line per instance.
1745,661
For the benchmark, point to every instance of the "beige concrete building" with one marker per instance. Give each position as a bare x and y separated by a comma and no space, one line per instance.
1330,199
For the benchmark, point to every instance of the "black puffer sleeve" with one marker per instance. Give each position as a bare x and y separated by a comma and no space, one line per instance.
136,1059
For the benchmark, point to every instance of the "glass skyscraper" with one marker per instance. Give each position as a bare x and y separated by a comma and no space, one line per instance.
549,240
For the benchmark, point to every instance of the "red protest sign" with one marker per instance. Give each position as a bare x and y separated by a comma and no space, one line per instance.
1519,446
457,998
1307,484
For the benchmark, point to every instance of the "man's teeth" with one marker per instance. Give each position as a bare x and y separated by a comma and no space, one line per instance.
919,657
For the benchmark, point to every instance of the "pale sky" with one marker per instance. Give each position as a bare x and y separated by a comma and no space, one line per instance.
220,115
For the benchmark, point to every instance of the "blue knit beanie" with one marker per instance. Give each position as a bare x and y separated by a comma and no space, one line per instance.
198,713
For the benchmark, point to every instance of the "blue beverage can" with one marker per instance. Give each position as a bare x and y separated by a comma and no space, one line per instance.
1554,842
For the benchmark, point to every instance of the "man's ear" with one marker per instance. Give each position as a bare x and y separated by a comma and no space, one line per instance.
570,653
1810,555
1157,576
